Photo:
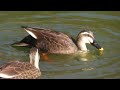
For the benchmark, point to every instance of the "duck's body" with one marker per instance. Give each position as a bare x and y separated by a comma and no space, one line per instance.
53,41
20,70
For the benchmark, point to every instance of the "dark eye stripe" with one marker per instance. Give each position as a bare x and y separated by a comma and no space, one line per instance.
88,35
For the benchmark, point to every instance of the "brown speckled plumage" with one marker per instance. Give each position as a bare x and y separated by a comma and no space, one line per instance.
51,41
20,70
54,41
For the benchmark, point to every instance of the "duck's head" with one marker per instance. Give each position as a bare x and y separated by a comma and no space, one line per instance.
85,37
34,57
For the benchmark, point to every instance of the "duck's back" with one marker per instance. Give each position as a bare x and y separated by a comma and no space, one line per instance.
19,70
54,42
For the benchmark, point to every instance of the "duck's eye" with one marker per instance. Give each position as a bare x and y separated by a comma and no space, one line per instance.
88,35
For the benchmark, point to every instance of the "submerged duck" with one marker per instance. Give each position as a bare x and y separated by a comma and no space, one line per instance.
22,70
57,42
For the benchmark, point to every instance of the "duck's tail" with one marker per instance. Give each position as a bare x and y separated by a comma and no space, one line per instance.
25,27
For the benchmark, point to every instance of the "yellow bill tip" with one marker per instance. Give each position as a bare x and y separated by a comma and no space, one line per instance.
101,49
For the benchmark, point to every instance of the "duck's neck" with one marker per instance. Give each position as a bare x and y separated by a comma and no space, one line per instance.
81,45
36,63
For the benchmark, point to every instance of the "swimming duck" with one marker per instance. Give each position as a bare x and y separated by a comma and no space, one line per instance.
57,42
22,70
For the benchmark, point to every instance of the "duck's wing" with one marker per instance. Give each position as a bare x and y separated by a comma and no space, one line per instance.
12,69
52,41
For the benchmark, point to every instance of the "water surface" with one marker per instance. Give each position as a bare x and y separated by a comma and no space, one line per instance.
91,65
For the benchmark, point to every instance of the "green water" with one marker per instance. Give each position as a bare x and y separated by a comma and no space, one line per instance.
94,64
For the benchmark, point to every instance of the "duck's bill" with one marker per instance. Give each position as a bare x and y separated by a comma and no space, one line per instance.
95,44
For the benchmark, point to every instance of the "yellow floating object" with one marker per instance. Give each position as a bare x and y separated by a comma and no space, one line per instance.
101,49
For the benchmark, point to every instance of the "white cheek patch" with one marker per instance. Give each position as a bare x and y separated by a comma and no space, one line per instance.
5,76
90,40
85,40
32,34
